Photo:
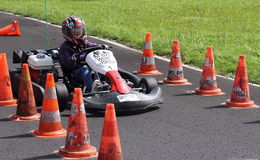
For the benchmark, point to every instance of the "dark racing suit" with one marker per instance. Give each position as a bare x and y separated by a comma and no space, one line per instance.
69,63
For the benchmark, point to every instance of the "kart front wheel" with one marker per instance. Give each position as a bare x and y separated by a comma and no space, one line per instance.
147,84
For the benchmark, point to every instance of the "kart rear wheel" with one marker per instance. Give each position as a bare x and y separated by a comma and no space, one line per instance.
38,90
62,95
15,81
38,93
147,84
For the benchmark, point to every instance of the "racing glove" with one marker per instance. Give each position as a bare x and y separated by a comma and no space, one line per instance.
104,46
74,57
78,59
82,57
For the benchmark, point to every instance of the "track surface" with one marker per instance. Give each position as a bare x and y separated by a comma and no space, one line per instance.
186,126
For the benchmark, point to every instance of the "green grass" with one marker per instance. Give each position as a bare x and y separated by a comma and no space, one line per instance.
231,27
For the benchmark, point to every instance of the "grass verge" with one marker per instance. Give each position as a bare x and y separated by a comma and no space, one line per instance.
230,26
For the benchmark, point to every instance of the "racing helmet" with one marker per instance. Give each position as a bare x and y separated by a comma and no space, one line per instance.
74,29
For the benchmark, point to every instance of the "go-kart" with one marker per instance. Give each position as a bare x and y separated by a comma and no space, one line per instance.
125,90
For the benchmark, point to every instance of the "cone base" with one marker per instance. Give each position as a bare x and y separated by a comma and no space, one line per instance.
209,92
60,133
18,118
8,103
249,104
155,72
11,34
176,82
90,153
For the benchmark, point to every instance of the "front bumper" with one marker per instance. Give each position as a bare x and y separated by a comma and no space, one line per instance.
125,102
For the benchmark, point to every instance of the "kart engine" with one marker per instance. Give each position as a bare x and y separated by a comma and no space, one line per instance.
39,66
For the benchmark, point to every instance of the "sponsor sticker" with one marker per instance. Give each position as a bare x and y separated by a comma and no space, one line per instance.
103,57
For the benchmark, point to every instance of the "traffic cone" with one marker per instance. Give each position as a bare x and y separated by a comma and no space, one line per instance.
6,96
148,66
26,106
50,122
110,147
11,30
175,72
240,96
77,141
208,82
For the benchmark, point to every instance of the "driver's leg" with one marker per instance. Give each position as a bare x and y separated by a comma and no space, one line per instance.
84,74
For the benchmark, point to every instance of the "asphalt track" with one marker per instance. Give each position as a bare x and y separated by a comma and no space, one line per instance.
186,126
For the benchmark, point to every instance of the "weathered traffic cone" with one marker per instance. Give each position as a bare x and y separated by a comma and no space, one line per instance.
50,122
175,72
240,96
26,106
6,96
208,82
148,66
77,141
110,147
11,30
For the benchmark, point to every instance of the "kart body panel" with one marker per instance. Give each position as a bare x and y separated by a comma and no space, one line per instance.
125,102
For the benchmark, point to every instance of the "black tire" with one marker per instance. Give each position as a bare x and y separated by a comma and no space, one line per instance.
147,84
38,91
62,95
15,81
130,76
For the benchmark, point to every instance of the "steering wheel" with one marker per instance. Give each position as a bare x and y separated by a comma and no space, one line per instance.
90,49
86,51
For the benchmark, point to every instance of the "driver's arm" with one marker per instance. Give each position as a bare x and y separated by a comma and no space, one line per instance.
66,57
91,44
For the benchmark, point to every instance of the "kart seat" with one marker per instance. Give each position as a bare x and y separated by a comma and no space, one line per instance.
69,81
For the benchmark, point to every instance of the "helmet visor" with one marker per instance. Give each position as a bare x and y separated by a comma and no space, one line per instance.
77,32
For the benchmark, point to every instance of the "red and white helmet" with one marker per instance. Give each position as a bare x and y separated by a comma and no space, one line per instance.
74,29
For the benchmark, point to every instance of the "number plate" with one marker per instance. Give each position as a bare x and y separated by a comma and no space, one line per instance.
127,97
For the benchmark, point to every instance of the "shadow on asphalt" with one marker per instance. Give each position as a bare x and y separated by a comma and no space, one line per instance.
185,94
4,119
18,136
188,93
92,113
150,109
49,156
253,122
217,107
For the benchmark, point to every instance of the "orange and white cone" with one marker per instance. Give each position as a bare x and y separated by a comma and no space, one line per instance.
148,66
208,82
77,144
110,147
11,30
240,96
26,106
6,96
50,122
175,72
